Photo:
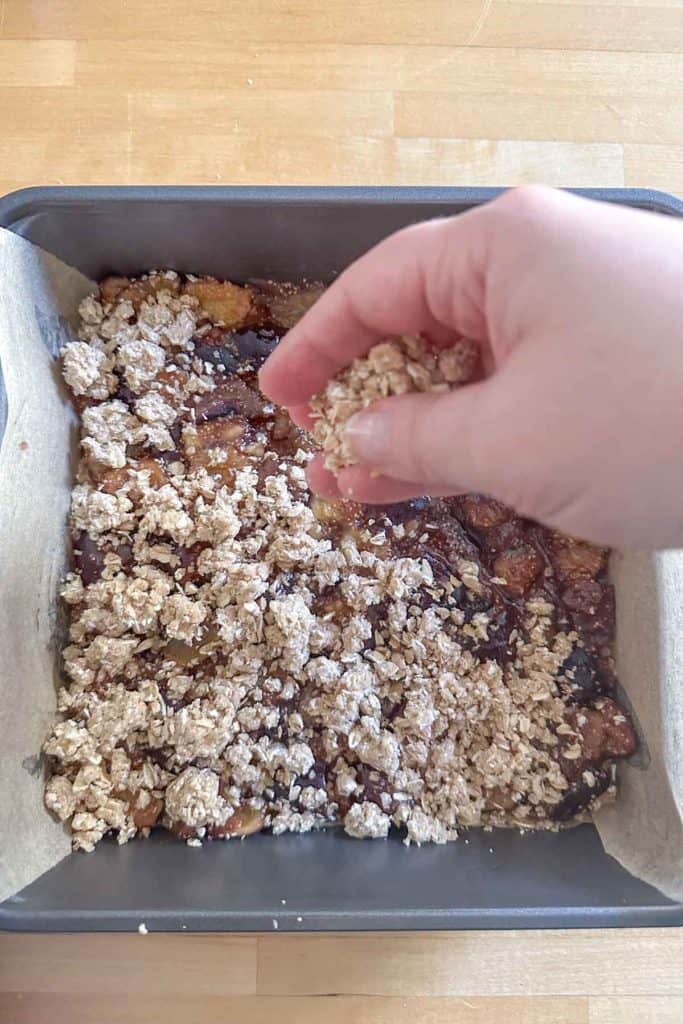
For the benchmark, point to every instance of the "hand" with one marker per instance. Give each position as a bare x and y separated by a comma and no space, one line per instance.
578,307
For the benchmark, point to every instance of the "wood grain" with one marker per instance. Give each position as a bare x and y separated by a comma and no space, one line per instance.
550,963
578,26
571,92
176,965
556,977
232,159
328,114
433,21
571,119
440,93
29,62
188,65
654,166
620,1010
29,1008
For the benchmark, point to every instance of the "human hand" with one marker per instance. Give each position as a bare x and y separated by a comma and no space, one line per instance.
578,307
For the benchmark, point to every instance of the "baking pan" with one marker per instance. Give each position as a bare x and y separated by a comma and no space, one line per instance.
323,881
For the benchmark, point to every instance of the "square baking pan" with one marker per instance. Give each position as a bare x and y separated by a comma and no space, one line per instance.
323,881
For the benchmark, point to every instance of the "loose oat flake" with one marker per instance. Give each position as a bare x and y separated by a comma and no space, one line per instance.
244,656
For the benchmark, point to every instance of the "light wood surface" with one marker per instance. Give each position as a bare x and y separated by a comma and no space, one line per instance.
404,92
581,977
314,91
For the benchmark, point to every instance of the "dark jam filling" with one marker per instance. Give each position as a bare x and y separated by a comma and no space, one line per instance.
230,351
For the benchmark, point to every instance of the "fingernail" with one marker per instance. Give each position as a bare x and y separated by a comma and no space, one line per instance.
369,434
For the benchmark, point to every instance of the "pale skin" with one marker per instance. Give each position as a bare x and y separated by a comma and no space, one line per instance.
578,307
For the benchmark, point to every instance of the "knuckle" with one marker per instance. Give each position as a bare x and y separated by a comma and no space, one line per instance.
528,204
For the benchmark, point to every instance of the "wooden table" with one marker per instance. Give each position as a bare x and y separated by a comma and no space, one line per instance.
403,92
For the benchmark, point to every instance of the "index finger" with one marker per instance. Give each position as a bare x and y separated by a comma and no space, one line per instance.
426,278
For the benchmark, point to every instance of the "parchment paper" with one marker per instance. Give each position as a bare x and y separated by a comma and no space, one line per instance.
643,829
39,296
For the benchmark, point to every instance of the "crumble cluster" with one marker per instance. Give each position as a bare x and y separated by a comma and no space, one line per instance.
397,367
243,656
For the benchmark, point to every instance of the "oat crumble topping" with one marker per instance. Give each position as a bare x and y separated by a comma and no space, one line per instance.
396,367
242,655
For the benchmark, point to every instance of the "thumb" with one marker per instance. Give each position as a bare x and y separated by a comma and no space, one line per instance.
434,440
